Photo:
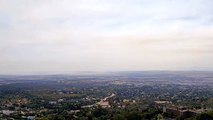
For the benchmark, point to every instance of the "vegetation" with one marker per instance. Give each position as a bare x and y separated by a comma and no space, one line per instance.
90,97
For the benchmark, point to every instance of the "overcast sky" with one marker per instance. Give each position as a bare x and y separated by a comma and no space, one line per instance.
62,36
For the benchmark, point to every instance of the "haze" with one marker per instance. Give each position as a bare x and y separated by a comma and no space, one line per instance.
61,36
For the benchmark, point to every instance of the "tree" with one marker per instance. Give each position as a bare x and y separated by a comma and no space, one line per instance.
100,112
204,116
134,116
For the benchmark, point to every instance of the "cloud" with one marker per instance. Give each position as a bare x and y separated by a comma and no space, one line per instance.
104,35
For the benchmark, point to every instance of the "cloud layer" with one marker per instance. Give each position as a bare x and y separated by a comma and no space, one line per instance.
105,35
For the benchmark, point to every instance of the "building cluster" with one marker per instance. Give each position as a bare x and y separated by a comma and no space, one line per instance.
173,111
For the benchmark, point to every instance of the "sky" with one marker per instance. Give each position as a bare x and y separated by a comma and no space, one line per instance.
62,36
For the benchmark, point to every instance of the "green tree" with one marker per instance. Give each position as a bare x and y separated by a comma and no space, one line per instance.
204,116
